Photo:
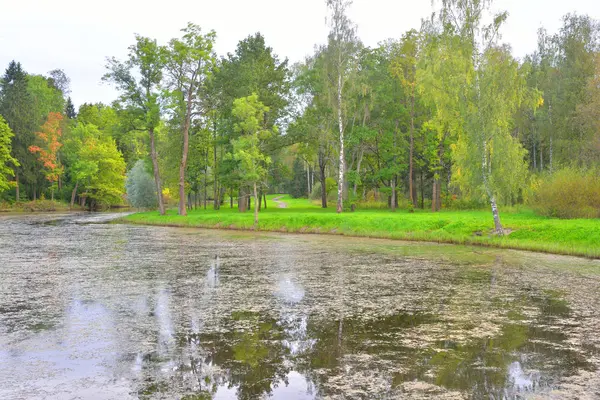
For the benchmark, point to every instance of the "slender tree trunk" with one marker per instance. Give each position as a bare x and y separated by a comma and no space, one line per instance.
360,156
52,194
393,199
434,195
265,198
413,200
534,156
17,194
323,181
154,156
73,194
485,169
422,192
231,199
34,192
541,158
340,204
256,205
550,154
184,155
308,178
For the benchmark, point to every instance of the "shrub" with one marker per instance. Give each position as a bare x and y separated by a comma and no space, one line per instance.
569,193
331,186
141,191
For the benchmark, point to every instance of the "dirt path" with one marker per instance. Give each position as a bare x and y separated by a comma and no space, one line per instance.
280,204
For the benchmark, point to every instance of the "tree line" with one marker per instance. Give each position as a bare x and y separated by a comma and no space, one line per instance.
443,115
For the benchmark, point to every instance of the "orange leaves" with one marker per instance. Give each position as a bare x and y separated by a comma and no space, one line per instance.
49,137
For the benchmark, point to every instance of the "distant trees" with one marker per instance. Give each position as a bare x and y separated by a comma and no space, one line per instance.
7,161
442,114
141,191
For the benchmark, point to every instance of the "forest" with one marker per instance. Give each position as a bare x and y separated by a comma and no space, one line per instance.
444,117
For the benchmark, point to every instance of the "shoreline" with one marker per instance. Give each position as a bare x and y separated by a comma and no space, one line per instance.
424,237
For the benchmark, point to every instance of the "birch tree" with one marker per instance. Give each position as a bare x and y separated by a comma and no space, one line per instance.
342,44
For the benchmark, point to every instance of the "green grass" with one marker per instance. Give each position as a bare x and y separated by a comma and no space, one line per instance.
579,237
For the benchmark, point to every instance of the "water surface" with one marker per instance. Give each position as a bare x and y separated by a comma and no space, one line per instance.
109,311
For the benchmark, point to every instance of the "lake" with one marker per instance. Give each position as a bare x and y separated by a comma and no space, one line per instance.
97,310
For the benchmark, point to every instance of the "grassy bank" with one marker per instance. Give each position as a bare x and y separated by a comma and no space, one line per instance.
529,231
36,206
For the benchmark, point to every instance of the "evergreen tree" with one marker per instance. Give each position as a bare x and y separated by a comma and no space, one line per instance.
16,107
70,109
297,187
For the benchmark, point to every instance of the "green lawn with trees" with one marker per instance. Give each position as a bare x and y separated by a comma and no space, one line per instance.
426,127
524,229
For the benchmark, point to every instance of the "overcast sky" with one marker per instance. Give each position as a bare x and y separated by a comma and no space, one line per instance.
78,35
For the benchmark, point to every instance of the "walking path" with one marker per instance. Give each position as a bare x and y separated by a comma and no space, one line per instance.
280,204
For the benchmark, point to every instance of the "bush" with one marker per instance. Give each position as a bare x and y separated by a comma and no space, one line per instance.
569,193
141,191
331,186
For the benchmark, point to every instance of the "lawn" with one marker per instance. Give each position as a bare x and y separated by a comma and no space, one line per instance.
528,231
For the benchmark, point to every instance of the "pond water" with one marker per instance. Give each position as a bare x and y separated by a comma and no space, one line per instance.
111,311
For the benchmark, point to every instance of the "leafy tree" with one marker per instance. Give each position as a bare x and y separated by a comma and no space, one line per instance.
189,62
95,166
5,155
141,192
140,96
249,112
49,139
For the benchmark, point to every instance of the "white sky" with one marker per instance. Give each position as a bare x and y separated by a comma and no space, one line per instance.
77,35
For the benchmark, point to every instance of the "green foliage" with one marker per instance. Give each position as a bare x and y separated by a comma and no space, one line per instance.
6,160
249,112
569,193
141,191
330,188
297,186
94,162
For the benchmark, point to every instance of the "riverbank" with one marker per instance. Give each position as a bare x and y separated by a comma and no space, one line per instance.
528,231
37,206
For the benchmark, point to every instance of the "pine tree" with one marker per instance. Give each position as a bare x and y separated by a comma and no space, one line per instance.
70,109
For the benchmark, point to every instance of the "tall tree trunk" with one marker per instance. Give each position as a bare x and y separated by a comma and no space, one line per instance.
340,204
434,194
422,192
550,154
216,198
413,199
485,170
265,198
184,155
360,156
497,224
154,156
323,180
73,194
17,194
308,178
393,199
256,205
534,156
